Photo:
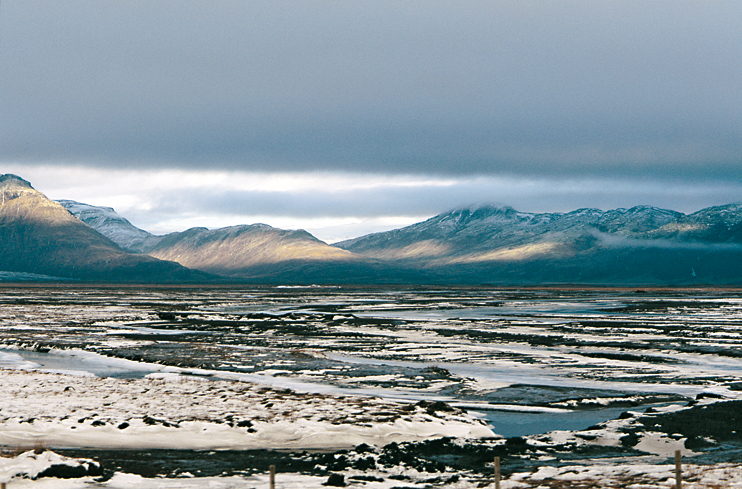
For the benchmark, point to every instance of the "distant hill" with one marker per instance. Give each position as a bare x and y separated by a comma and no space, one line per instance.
641,245
250,252
236,251
39,236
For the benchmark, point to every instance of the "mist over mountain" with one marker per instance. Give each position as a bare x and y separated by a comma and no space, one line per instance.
483,233
641,245
475,233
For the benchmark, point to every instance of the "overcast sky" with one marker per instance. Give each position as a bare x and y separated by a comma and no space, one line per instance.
346,117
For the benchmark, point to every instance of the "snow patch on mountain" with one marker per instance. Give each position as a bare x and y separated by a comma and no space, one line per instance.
110,224
483,228
10,181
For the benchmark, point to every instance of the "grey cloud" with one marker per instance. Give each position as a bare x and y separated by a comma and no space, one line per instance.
521,88
538,196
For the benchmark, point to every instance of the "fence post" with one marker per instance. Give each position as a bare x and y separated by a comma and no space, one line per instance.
678,470
497,472
273,476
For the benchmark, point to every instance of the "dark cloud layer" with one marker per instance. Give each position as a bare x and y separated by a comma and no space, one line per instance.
422,200
508,87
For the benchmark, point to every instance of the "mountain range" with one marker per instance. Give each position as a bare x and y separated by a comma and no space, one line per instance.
235,251
41,237
487,233
641,245
474,245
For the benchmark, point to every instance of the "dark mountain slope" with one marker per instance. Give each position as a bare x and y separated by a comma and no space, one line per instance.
641,245
40,236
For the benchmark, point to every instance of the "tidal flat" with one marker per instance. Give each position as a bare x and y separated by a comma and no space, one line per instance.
422,386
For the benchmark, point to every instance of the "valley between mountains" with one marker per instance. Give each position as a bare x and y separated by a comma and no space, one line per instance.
476,245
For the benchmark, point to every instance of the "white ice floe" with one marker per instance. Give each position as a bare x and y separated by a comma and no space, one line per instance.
14,360
31,465
72,362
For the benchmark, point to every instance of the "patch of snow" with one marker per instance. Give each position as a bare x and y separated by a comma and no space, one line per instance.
30,465
661,444
110,224
185,413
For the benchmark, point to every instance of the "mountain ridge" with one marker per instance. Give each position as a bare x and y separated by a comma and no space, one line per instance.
9,181
232,251
472,229
241,251
482,244
109,223
39,236
642,244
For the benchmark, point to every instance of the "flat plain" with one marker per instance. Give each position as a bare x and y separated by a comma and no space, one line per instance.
424,384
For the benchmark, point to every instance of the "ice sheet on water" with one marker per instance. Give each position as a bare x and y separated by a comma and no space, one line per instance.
75,362
10,359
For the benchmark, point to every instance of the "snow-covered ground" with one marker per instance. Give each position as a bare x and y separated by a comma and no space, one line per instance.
172,411
328,370
639,476
168,410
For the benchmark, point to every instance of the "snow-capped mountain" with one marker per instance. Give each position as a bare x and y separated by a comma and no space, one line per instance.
472,231
471,245
719,224
109,223
640,245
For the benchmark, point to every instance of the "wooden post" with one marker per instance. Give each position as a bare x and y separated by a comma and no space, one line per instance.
273,476
497,472
2,485
678,471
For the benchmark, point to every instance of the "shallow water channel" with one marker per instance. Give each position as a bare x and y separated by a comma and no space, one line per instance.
505,422
530,361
